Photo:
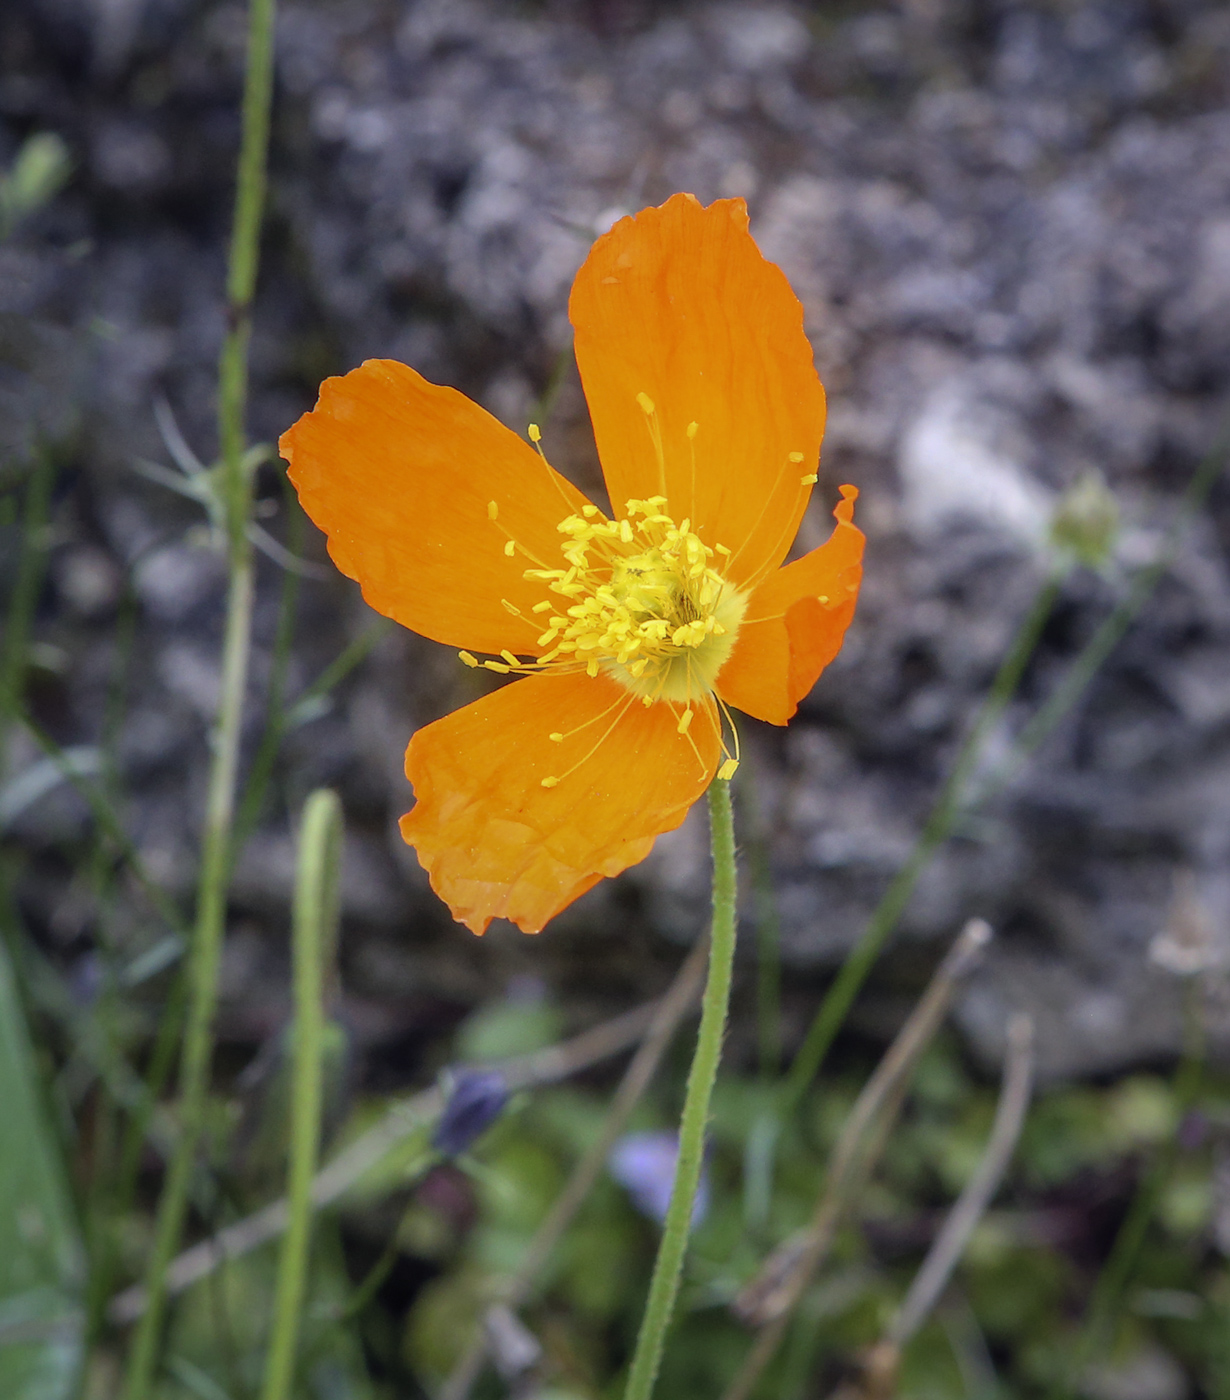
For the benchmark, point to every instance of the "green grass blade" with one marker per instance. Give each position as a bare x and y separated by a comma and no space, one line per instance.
41,1267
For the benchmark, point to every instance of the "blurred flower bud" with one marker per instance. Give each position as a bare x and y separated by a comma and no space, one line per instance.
644,1165
1188,945
40,171
476,1098
1086,520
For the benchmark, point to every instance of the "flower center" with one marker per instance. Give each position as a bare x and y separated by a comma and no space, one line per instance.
642,600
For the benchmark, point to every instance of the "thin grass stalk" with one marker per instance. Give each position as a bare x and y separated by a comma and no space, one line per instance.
404,1119
518,1289
23,601
216,848
109,823
772,1297
256,789
664,1285
1120,1264
950,805
971,1205
314,939
560,367
939,825
352,655
105,1206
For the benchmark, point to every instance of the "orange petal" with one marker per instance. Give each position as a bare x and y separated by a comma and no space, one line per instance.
795,623
677,304
398,473
497,844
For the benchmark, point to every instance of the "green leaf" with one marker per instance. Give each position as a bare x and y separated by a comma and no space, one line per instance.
40,1249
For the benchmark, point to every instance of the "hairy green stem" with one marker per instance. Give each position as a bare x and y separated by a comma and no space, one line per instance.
940,822
664,1286
209,928
315,932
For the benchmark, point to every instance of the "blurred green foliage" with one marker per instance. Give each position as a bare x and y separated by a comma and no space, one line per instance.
41,1259
39,171
428,1238
1005,1328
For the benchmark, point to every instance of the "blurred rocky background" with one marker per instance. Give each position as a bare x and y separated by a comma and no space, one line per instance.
1009,223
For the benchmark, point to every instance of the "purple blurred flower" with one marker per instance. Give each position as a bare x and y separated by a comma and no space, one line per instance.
644,1165
1193,1130
476,1099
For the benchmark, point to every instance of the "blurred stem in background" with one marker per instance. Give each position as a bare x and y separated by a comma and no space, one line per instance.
1097,1332
943,817
317,894
31,567
217,838
664,1285
1080,542
256,789
769,1300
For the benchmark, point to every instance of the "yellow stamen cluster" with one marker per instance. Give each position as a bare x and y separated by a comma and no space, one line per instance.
643,601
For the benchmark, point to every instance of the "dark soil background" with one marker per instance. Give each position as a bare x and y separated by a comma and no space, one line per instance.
1010,226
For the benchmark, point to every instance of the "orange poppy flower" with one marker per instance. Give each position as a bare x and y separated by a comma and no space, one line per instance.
636,631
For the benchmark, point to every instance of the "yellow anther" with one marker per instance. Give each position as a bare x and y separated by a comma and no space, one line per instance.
693,429
556,738
823,598
645,603
467,659
796,457
728,769
685,721
535,433
722,549
493,511
645,401
510,548
510,658
510,607
497,666
550,782
809,480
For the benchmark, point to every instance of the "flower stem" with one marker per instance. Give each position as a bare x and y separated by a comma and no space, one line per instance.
206,951
664,1286
315,931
